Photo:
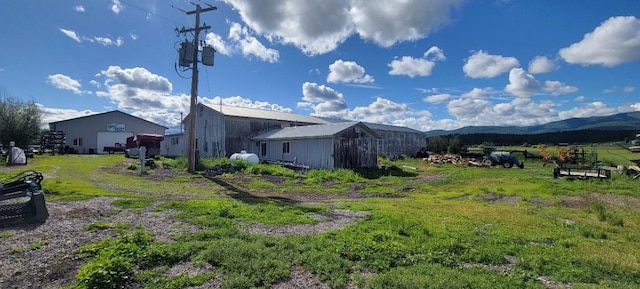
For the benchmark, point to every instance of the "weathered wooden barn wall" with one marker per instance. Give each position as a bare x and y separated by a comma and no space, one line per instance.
239,131
394,144
354,149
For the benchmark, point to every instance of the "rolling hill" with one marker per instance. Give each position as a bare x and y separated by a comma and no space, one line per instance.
621,121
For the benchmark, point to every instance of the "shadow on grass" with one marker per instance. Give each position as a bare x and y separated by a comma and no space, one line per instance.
376,173
239,194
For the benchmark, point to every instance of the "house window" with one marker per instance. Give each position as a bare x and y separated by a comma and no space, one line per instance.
286,147
77,141
263,149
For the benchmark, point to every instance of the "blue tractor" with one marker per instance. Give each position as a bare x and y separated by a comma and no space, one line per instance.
501,158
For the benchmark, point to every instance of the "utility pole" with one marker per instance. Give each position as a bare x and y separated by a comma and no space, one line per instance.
191,133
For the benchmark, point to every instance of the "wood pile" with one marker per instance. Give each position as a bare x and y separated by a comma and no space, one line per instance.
452,159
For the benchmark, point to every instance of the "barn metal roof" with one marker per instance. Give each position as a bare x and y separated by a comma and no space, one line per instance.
292,117
311,131
377,126
267,114
103,113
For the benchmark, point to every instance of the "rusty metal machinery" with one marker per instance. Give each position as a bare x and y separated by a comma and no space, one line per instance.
22,199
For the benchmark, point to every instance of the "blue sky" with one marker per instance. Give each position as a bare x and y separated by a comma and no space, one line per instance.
425,64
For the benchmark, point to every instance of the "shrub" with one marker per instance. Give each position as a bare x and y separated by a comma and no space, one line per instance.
113,265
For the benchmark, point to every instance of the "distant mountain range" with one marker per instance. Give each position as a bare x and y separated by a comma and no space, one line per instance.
621,121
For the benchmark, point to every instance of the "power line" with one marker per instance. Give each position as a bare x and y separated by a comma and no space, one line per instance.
153,13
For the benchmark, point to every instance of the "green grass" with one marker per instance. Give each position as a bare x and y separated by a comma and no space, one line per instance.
428,226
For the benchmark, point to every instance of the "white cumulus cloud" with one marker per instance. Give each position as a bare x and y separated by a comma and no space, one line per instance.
541,64
318,27
389,22
251,46
615,41
324,100
62,81
523,84
413,67
438,98
348,72
478,93
79,8
484,65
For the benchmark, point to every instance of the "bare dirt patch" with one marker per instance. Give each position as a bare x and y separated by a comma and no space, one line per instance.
42,256
334,220
611,200
498,199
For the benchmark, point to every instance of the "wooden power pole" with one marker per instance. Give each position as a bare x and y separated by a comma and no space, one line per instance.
191,133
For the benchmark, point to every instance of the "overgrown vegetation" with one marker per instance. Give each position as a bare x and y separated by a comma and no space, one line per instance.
429,226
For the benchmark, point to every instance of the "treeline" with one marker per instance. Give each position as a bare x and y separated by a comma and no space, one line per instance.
571,137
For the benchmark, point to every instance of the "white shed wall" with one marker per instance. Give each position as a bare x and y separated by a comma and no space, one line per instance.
174,145
315,153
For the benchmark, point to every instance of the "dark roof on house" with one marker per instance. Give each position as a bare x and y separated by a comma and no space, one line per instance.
108,112
266,114
311,131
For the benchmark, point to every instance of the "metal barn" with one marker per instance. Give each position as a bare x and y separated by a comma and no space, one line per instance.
327,146
91,133
224,130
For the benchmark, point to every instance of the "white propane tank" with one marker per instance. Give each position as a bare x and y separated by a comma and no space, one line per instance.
251,158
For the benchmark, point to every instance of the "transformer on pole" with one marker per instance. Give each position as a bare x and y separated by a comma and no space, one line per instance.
188,55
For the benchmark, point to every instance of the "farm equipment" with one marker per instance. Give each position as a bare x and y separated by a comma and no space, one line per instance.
634,170
25,185
501,158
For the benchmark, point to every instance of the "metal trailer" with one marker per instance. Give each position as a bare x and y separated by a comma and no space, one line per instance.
583,174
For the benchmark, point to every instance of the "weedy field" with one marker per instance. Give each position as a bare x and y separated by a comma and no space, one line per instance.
411,225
